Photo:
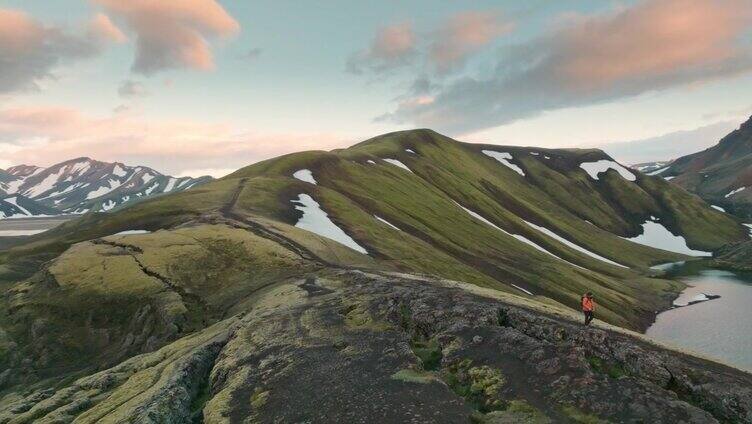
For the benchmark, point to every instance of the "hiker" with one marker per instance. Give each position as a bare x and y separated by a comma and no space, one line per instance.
588,307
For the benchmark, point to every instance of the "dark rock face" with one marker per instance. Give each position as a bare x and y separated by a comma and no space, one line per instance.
721,174
737,257
346,346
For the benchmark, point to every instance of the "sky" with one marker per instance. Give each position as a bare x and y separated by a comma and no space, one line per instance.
194,87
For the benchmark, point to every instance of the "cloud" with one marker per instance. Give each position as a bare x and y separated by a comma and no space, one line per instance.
101,27
653,45
30,50
392,47
172,33
170,146
462,35
253,53
132,89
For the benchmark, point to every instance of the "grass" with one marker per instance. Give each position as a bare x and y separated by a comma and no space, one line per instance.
437,236
429,353
99,289
413,376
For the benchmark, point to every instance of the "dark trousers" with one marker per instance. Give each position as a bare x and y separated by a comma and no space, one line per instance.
588,316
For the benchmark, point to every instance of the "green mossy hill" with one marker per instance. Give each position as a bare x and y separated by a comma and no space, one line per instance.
457,213
293,355
108,299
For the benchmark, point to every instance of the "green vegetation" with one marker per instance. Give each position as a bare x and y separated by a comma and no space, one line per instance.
79,298
613,370
434,235
578,416
429,353
413,376
480,386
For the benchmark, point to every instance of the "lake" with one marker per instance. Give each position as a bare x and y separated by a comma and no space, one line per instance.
13,231
718,328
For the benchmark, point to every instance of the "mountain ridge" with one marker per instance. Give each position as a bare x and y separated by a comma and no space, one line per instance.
416,277
78,185
720,174
476,219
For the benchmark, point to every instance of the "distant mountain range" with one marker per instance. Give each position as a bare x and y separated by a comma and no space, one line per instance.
722,174
81,185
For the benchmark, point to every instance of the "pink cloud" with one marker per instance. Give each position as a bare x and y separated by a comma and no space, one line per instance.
652,39
391,47
30,50
47,135
172,33
18,32
464,34
101,26
651,45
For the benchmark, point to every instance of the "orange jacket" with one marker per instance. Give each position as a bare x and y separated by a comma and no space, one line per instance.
588,304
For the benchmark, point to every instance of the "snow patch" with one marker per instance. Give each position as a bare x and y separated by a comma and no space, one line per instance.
516,236
14,185
107,206
595,168
504,158
410,151
659,171
668,178
576,247
78,167
656,235
112,184
718,208
45,185
14,201
733,192
387,222
119,171
170,184
522,290
395,162
147,177
305,175
151,189
667,266
315,220
66,190
131,232
371,162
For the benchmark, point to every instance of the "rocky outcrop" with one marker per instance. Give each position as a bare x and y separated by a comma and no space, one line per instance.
351,346
737,257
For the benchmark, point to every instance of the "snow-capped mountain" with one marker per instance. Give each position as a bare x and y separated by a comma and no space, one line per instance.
21,207
81,185
649,167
